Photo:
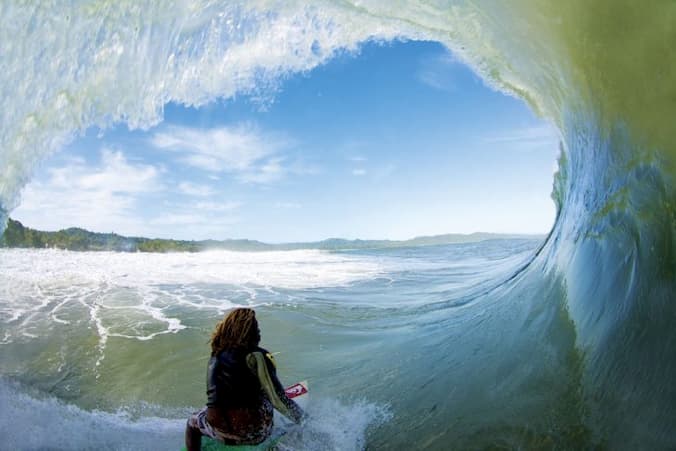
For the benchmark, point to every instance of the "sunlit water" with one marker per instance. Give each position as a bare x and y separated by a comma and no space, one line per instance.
118,342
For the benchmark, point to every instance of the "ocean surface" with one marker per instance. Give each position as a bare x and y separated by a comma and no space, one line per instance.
571,348
109,350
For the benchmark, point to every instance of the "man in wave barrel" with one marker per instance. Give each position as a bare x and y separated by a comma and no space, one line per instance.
242,387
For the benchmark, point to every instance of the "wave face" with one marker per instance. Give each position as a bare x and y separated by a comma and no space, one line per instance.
596,304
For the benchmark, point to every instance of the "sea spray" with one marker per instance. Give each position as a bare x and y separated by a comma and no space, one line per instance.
31,420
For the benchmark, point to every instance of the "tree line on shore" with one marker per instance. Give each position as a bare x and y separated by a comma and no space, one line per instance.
16,235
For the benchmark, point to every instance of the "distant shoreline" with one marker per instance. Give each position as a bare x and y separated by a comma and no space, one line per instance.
17,235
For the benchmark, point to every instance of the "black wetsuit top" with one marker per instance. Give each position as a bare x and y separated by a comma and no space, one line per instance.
239,379
230,382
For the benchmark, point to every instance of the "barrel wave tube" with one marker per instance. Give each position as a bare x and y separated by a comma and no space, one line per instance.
580,343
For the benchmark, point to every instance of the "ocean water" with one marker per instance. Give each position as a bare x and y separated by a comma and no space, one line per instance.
116,343
573,348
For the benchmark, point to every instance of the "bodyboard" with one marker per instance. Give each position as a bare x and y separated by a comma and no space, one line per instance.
209,444
298,392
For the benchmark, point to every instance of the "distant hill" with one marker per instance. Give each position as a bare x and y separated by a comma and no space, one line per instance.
16,235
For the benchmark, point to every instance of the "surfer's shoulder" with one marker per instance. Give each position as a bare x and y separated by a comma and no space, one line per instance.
260,355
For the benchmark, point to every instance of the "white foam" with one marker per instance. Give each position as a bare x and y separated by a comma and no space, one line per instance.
29,422
44,288
337,425
49,269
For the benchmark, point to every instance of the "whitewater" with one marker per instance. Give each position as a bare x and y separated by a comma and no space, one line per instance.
117,341
570,343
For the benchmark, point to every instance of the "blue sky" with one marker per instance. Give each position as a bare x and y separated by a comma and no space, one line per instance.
399,140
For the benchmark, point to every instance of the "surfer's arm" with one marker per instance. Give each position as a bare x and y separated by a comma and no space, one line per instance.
273,388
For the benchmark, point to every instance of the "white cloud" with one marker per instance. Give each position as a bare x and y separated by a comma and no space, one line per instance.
172,219
241,149
300,167
119,195
290,205
217,206
217,149
101,197
357,159
527,138
194,220
194,224
270,171
358,172
437,72
193,189
116,175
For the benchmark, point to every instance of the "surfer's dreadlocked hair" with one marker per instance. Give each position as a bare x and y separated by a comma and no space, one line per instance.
237,330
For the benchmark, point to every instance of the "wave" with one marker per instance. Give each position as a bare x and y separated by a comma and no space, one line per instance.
603,71
276,269
56,425
59,426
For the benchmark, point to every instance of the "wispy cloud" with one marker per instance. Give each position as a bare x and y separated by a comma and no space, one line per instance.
198,225
358,172
288,205
242,149
204,219
174,219
357,159
268,172
99,197
437,72
194,189
115,193
526,138
217,206
115,174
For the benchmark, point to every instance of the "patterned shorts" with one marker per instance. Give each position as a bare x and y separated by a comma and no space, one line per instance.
198,420
248,435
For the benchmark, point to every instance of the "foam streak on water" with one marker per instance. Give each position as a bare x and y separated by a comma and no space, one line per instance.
55,303
45,286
